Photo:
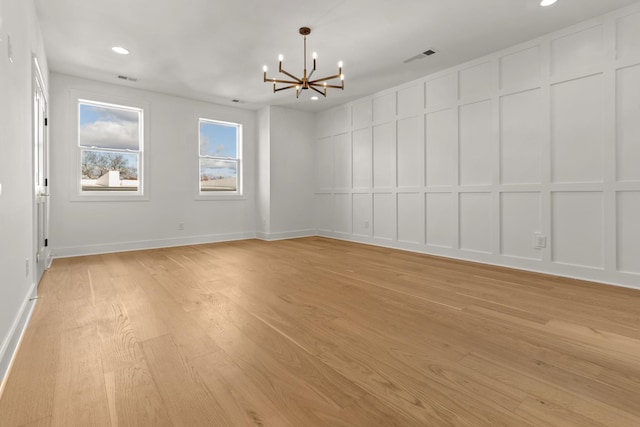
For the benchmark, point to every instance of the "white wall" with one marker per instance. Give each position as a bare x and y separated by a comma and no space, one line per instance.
83,227
285,173
470,162
292,145
263,197
17,285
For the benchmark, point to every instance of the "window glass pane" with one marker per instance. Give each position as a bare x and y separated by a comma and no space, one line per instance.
109,171
109,127
218,140
218,175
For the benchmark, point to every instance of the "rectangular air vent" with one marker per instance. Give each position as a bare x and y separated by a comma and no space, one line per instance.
421,55
131,79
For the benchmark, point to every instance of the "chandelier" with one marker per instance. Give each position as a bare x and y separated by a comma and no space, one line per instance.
303,83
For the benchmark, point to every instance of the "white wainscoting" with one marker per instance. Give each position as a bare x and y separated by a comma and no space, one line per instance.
472,162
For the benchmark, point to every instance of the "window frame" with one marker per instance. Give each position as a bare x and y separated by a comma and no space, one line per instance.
128,104
221,195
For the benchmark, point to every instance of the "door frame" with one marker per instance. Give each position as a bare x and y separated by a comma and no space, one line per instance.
42,251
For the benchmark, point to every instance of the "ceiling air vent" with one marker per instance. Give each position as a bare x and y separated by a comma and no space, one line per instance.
131,79
421,55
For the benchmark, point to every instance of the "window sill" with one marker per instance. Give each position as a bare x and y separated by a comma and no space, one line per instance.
116,196
219,197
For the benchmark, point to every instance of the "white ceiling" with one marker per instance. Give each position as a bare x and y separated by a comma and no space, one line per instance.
214,50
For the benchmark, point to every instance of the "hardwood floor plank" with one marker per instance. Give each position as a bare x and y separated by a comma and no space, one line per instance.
134,399
187,334
282,349
370,411
290,394
320,332
42,422
29,391
245,403
551,392
186,398
80,397
545,412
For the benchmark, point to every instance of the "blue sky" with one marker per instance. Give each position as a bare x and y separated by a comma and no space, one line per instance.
218,140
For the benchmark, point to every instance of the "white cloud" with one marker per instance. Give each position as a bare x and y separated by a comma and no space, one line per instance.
121,134
217,164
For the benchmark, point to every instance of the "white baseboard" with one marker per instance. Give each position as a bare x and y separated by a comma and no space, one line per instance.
11,343
620,279
148,244
283,235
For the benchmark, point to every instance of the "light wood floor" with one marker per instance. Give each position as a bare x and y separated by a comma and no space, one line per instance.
317,332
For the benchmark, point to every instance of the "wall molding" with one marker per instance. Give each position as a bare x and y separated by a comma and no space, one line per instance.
478,161
284,235
629,281
11,344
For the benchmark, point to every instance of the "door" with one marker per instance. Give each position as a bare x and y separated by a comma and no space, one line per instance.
40,177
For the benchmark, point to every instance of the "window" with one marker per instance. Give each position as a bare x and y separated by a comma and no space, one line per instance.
219,157
110,143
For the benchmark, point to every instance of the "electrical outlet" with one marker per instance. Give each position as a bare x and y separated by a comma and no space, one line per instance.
539,241
181,226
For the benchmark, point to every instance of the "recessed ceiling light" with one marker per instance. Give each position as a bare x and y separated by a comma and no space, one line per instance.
547,2
314,98
120,50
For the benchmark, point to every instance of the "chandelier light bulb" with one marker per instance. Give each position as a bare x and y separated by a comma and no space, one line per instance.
265,68
341,76
315,55
547,2
280,58
340,64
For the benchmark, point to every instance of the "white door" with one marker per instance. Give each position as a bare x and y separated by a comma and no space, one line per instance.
41,184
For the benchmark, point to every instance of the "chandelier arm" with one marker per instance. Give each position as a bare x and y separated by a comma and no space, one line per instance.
293,82
324,79
331,86
285,72
319,91
284,87
310,74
